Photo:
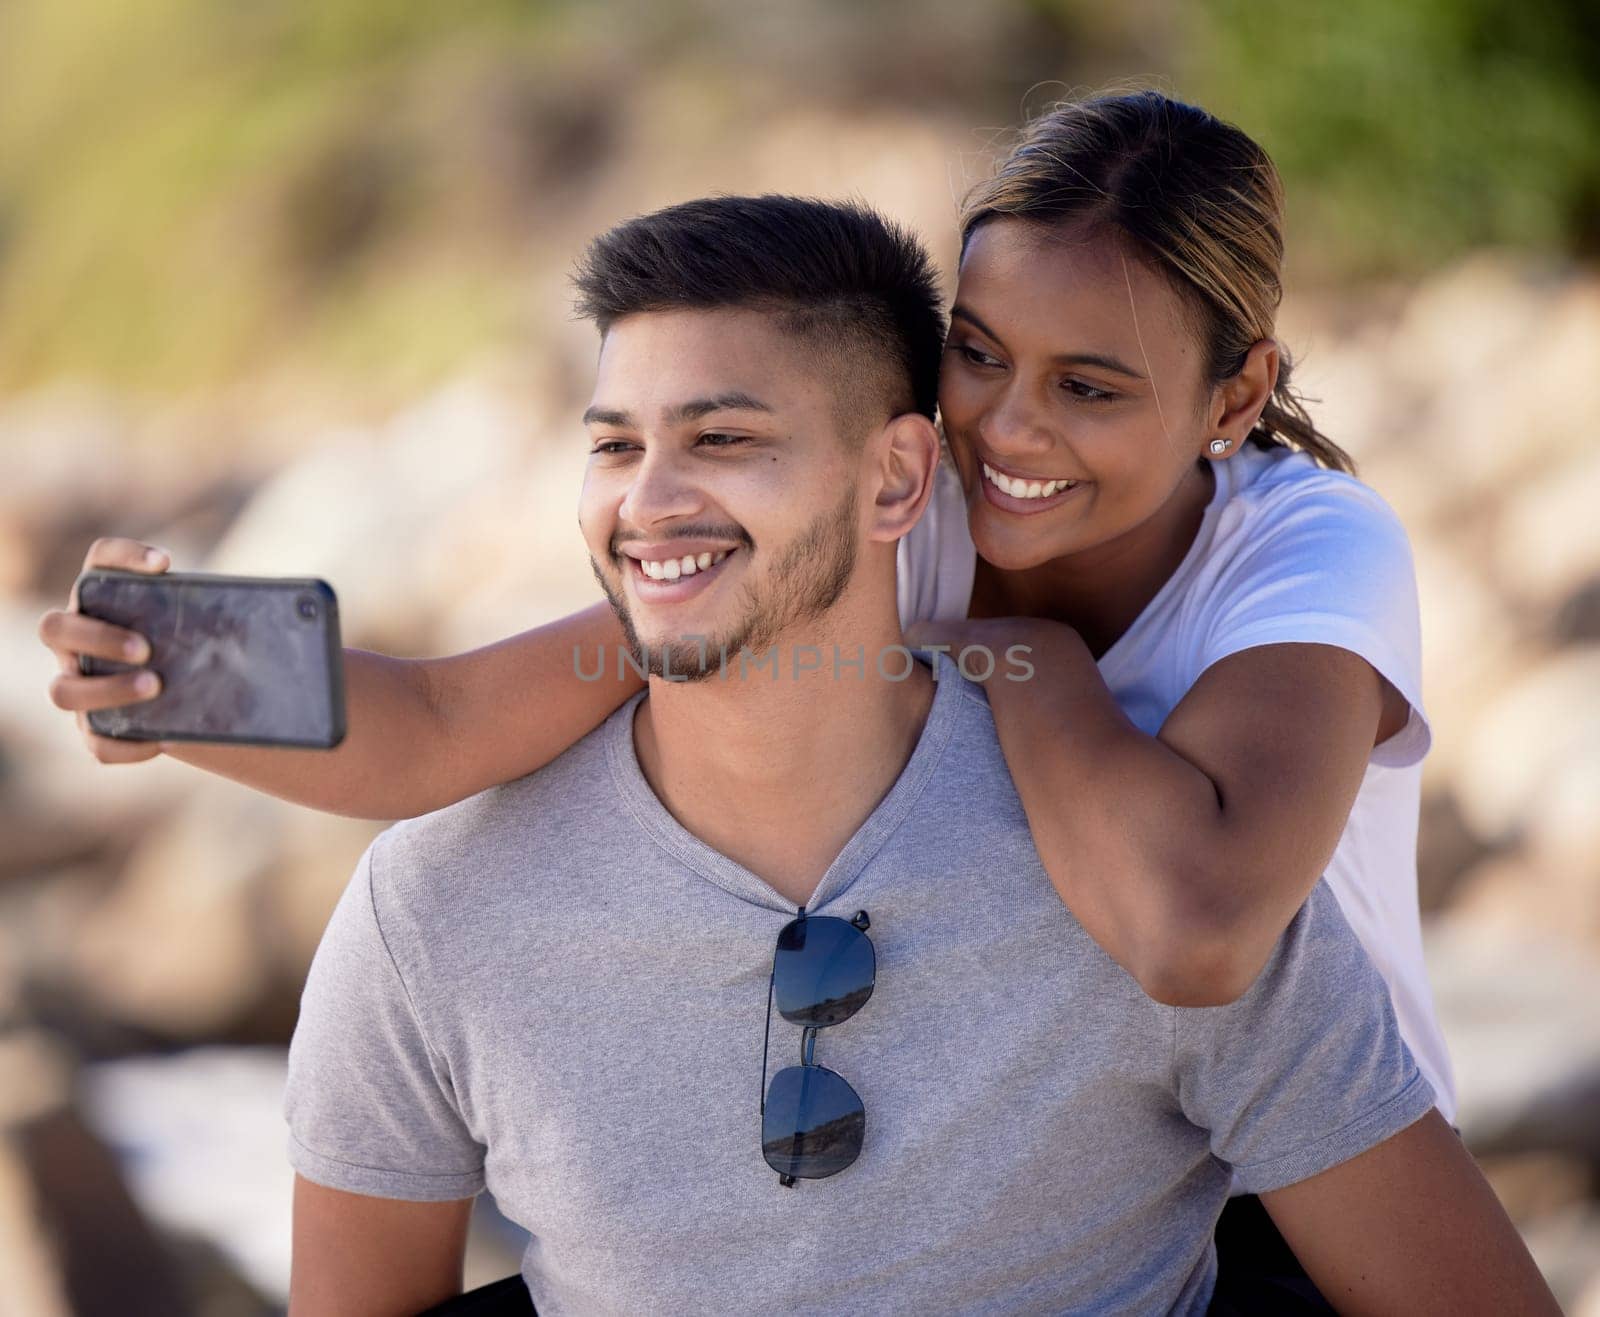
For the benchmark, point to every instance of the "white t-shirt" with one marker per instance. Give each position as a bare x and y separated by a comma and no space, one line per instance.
1287,551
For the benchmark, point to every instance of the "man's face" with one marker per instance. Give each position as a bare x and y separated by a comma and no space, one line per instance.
720,498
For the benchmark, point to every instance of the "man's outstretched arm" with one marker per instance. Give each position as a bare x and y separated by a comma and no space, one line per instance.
384,1257
1410,1226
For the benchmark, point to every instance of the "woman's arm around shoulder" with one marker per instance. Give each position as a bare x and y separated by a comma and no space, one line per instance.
1185,854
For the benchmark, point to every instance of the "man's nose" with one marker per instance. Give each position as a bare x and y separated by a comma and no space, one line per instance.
659,490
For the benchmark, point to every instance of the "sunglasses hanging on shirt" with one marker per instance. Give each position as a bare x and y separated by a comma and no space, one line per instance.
812,1121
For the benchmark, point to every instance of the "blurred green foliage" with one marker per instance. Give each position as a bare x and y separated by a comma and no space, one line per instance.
1408,131
160,167
195,190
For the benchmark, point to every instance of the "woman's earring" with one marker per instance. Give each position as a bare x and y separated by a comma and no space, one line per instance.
1220,446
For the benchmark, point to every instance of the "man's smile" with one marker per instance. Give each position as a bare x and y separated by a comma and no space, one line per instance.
674,572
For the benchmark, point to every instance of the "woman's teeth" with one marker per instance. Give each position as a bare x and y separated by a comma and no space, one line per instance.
670,569
1024,488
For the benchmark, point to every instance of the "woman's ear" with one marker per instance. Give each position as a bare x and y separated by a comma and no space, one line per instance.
905,457
1237,403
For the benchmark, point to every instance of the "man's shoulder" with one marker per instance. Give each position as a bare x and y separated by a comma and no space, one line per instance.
555,802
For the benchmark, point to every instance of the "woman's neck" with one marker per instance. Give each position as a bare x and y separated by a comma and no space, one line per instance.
1101,591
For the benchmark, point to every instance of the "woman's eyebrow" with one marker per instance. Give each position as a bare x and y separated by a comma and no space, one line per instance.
1118,367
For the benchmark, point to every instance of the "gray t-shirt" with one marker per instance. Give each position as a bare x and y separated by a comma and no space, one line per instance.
554,990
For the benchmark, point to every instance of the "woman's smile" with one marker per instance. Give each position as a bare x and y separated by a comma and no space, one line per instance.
1016,492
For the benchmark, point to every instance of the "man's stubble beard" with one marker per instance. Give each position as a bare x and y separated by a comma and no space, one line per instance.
803,584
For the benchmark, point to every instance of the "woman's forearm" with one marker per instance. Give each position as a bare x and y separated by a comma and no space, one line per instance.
425,733
1123,825
383,769
1187,853
514,706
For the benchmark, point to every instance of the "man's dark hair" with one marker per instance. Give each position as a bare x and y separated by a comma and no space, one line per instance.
854,286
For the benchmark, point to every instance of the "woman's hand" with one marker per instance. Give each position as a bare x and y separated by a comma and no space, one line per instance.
68,634
1017,648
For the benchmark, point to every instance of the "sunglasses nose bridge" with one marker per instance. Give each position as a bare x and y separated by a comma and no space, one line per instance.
808,1046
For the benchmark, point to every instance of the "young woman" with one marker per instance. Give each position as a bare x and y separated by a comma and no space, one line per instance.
1224,619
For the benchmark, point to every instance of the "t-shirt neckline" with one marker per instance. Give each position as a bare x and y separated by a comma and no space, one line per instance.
711,864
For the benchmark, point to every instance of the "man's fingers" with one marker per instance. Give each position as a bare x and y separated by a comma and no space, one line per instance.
83,694
73,634
126,555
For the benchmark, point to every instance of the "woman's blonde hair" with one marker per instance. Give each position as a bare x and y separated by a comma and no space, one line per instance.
1199,198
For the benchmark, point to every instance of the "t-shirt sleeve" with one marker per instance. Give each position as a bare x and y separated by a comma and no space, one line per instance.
1307,1069
1324,560
935,560
370,1105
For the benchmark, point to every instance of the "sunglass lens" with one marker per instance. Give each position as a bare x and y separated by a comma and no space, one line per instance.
823,971
814,1123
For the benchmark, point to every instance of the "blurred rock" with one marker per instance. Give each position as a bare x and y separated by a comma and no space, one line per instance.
510,556
176,946
1538,1184
71,1239
1531,766
1577,618
38,839
75,470
202,1137
1447,849
1518,1013
1491,320
357,510
209,929
65,445
1471,645
1566,1245
1521,897
35,1077
1546,541
27,1258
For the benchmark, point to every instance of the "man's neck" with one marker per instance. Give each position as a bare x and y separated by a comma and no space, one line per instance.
779,772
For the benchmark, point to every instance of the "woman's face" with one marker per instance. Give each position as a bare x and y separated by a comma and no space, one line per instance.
1069,361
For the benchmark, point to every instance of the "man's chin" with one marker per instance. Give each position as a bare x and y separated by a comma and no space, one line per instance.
680,658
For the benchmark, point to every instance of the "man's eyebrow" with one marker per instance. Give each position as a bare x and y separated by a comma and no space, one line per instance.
608,416
693,410
1063,358
697,408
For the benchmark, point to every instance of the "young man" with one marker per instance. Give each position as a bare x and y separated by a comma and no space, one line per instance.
559,989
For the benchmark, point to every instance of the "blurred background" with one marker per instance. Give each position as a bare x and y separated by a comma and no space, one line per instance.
283,288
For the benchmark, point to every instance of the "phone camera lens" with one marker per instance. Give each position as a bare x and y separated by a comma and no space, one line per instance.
306,606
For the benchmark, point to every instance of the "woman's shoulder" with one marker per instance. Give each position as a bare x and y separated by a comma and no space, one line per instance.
1280,493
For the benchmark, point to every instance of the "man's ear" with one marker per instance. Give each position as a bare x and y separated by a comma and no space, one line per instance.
905,457
1237,403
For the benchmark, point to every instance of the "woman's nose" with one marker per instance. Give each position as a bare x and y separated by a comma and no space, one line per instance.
1014,423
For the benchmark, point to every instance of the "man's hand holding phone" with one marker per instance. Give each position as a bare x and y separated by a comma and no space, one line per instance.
70,636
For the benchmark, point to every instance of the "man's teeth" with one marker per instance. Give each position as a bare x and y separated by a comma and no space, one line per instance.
670,569
1025,488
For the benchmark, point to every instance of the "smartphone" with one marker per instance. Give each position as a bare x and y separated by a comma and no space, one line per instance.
244,659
